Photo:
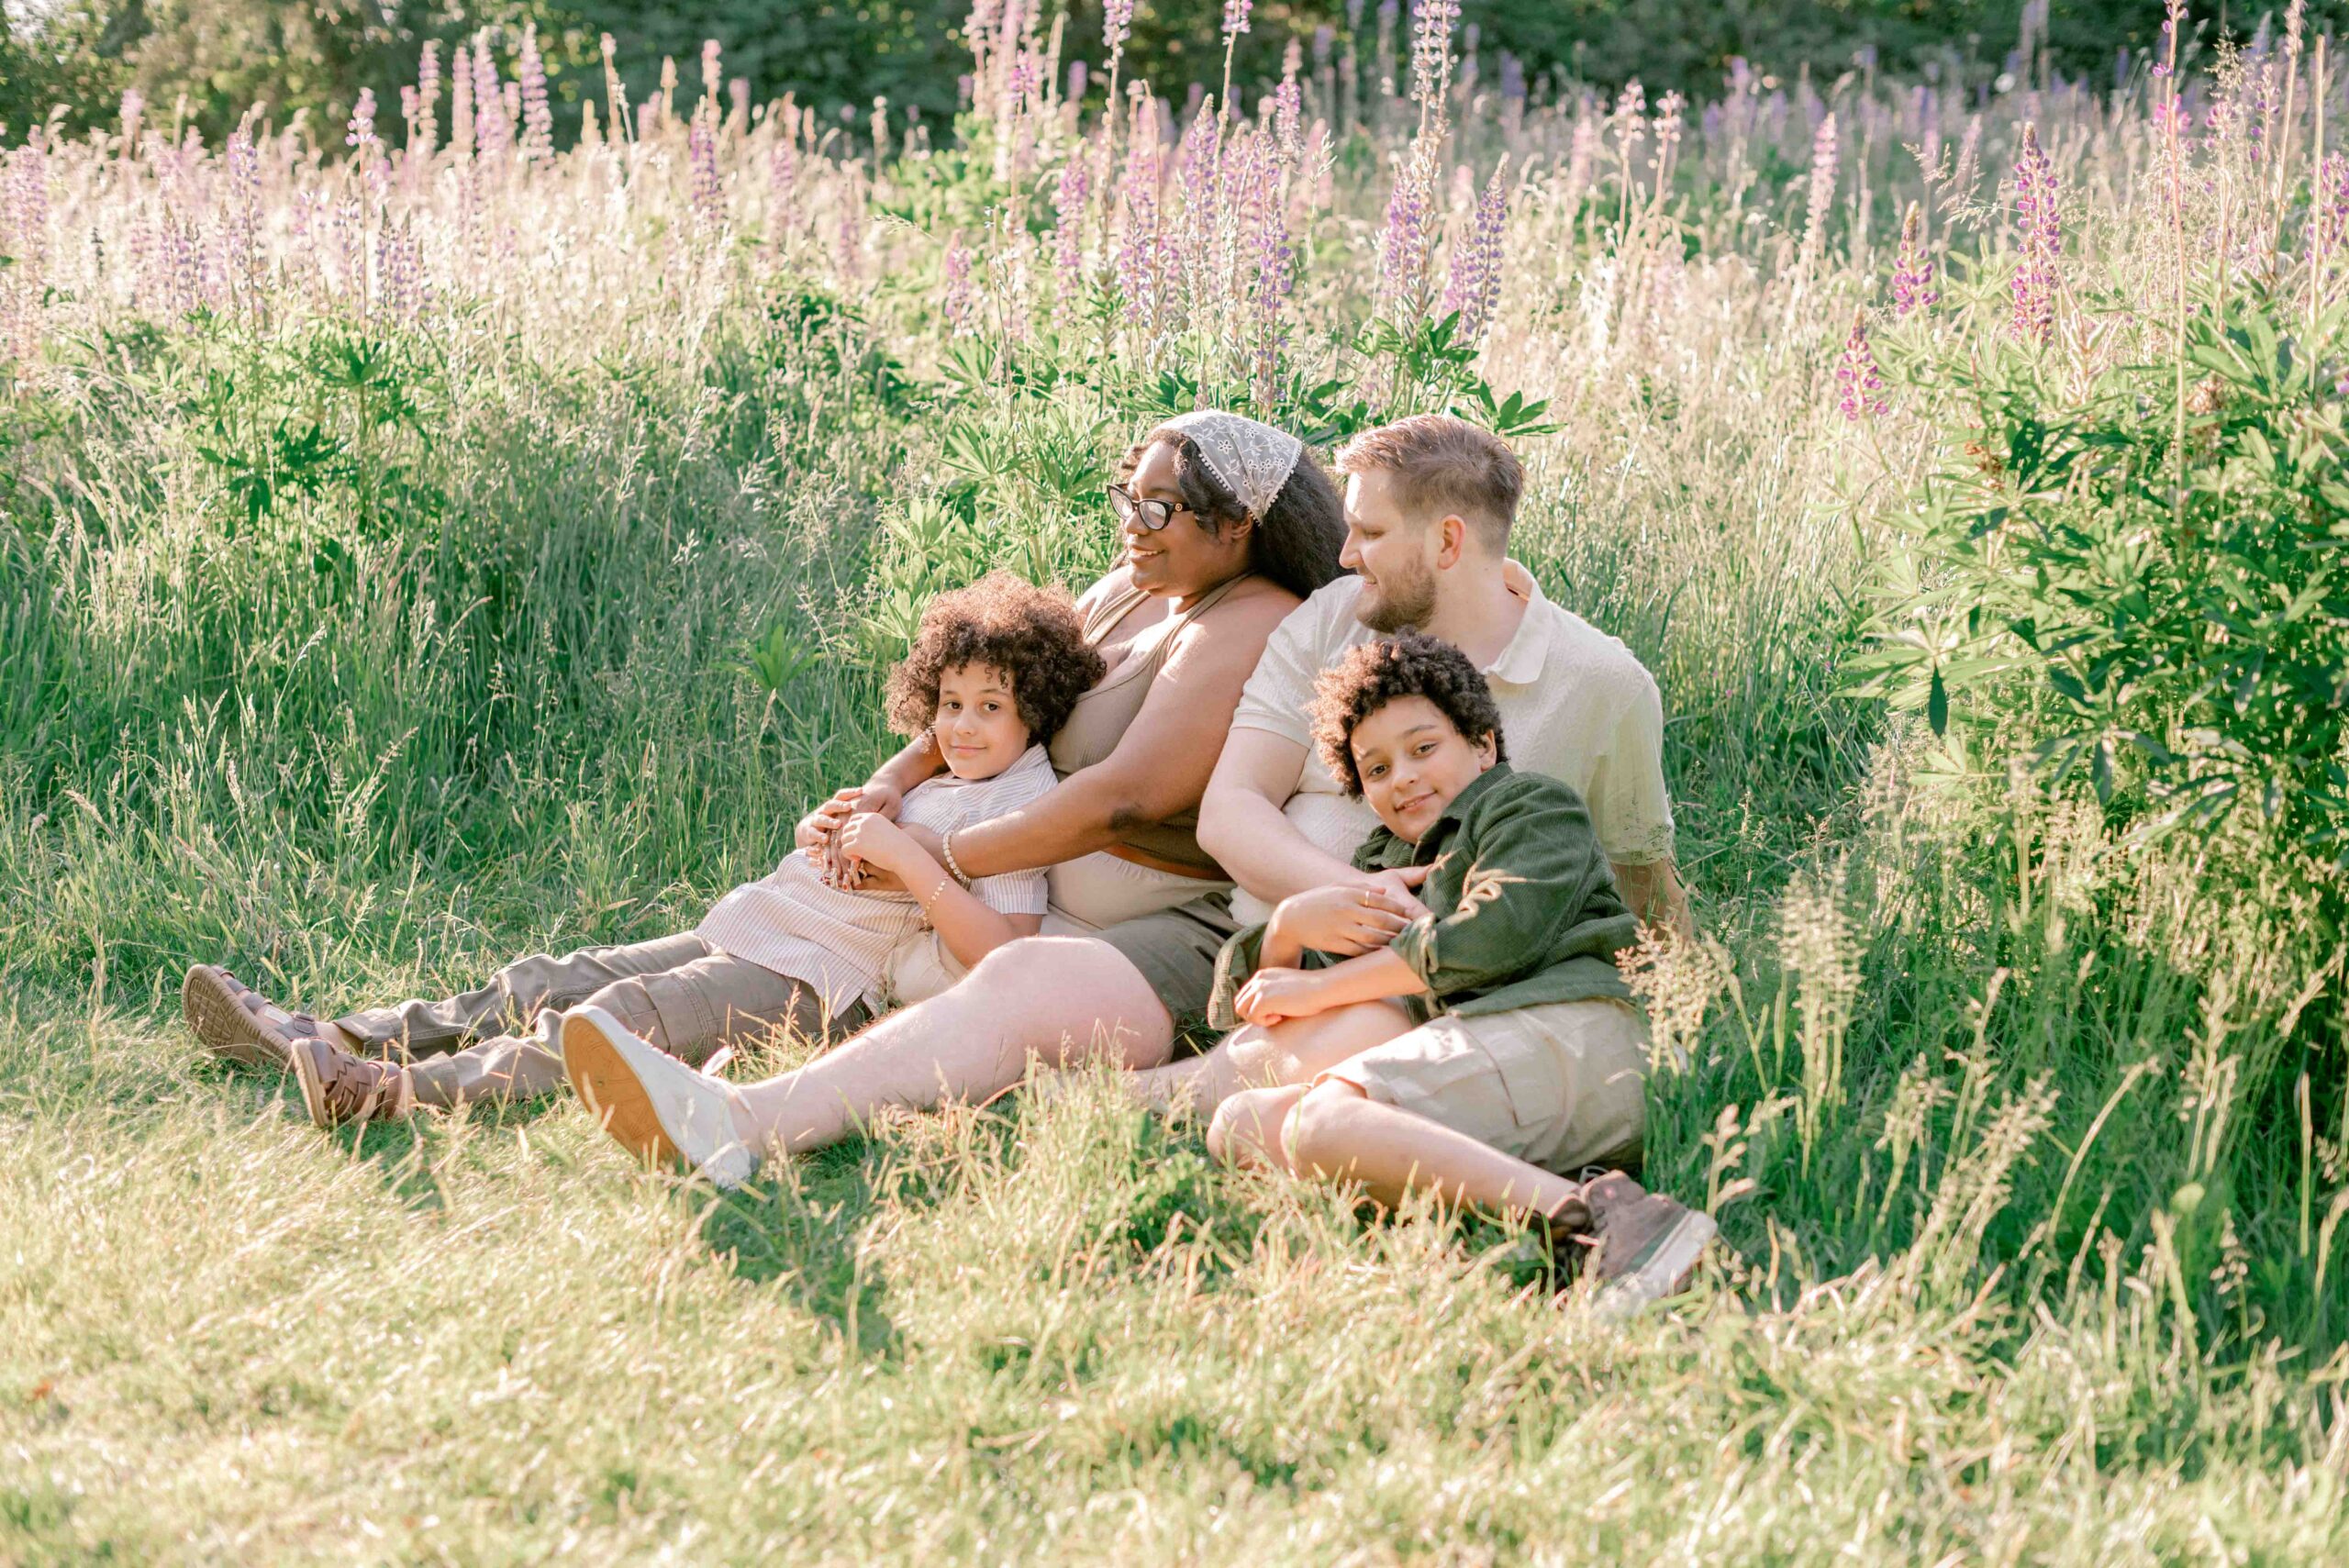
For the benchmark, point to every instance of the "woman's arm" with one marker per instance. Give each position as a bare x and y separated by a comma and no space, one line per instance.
1161,766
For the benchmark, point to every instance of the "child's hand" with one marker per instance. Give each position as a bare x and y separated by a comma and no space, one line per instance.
1347,918
1274,995
870,839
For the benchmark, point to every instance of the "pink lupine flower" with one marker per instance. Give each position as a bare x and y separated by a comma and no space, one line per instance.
427,96
959,304
1856,379
701,151
1473,288
711,75
1235,17
1068,235
2039,237
538,116
1912,270
1117,25
461,103
492,134
1822,192
1431,48
134,103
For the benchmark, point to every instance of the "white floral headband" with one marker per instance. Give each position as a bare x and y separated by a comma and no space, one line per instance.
1252,460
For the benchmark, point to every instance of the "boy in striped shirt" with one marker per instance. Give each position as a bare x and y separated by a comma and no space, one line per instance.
993,674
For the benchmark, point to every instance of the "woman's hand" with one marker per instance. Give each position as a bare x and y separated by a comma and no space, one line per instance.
1274,995
1349,918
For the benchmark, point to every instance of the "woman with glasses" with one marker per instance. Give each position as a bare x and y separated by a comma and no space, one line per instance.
1228,525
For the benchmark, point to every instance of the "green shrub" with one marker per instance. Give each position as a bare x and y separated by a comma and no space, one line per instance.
2148,586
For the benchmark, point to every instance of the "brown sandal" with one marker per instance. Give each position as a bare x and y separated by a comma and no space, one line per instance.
235,1021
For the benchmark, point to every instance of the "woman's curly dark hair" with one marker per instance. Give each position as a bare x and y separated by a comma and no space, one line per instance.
1031,634
1410,666
1297,540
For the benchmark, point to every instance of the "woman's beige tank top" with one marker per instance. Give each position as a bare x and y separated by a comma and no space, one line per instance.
1103,715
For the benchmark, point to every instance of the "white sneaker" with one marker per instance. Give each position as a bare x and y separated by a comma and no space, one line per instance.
652,1104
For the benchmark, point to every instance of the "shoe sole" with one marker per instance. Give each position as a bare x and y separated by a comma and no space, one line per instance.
224,1024
314,1091
1665,1269
614,1094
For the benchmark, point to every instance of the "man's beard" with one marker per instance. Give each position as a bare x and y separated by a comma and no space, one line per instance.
1398,603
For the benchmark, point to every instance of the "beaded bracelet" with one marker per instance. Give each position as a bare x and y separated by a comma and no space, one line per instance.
946,853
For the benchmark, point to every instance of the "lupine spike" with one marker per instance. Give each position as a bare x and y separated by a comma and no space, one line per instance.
1912,270
2039,235
1860,386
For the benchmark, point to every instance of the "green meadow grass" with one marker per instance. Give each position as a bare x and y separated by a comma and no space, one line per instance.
2028,1140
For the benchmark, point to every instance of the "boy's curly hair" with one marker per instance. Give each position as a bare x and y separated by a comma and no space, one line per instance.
1410,666
1031,634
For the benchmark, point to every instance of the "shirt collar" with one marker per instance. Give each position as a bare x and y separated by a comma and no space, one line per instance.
1520,663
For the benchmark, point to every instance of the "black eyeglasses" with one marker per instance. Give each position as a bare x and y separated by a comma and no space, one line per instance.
1154,515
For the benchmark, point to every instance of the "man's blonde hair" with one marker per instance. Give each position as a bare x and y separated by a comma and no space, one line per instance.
1441,466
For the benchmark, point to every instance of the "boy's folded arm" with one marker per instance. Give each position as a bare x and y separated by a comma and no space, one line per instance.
1537,873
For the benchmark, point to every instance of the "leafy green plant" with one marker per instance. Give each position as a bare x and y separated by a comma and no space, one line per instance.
2154,589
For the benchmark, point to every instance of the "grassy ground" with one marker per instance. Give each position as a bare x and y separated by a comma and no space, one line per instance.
362,639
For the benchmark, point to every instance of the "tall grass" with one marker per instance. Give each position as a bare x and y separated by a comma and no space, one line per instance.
421,555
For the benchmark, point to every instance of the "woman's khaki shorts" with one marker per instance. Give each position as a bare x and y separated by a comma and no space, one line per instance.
1560,1086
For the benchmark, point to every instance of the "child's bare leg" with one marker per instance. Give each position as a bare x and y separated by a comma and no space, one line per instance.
1336,1133
1294,1052
1247,1129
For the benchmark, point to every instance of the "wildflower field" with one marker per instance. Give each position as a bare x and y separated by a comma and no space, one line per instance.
454,534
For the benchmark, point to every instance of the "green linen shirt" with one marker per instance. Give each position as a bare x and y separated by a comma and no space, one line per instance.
1522,907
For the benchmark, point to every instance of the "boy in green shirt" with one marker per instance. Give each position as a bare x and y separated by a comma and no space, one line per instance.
1507,1057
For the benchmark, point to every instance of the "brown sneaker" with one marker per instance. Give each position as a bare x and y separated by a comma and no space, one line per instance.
338,1087
1648,1245
235,1021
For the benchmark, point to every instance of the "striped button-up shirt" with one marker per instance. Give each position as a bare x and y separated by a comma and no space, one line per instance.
839,940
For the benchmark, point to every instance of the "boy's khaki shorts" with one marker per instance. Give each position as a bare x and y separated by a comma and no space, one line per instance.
1560,1086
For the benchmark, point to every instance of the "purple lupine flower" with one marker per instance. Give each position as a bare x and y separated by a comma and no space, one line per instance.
2039,237
361,132
1325,39
240,234
1822,192
1141,260
461,103
1473,287
1068,235
1288,105
2331,204
850,235
492,134
399,271
961,301
1235,17
1912,270
1431,48
1273,256
1080,76
1116,26
537,117
783,178
1406,239
701,152
1199,168
1861,388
